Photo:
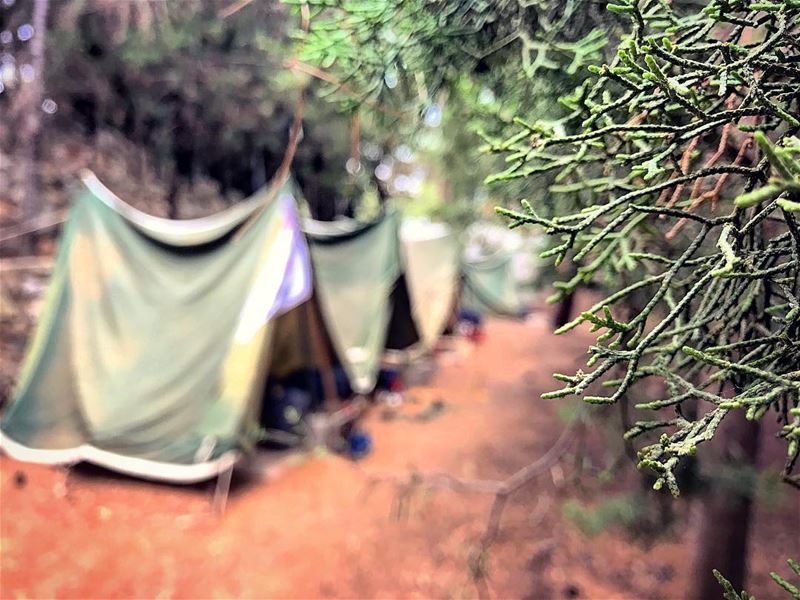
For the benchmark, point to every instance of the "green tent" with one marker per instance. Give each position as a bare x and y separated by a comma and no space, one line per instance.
489,284
355,270
157,336
498,268
153,346
381,285
430,253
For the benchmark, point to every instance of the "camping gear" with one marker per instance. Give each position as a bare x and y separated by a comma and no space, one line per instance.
390,380
359,444
311,380
390,387
152,350
470,325
284,416
468,315
285,407
289,400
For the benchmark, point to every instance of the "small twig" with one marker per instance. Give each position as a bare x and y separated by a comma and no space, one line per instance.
711,194
500,489
686,160
322,75
723,142
33,225
233,8
22,263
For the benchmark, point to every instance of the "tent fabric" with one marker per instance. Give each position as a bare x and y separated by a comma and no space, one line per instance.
300,342
152,349
186,232
383,285
334,230
490,285
430,254
355,271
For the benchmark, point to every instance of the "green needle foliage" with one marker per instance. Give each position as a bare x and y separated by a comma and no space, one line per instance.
396,51
729,593
474,64
683,157
673,177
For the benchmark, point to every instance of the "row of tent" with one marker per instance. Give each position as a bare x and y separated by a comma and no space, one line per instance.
157,336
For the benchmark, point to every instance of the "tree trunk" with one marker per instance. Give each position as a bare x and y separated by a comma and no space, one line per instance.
722,514
31,125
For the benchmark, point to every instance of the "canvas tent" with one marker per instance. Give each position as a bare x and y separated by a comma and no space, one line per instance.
430,256
157,337
498,268
152,349
355,270
381,285
490,284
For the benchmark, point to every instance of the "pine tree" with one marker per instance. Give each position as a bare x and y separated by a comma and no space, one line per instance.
672,180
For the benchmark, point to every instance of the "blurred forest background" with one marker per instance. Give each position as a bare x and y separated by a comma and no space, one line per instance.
182,109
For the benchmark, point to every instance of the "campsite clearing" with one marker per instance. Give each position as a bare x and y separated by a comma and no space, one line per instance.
326,527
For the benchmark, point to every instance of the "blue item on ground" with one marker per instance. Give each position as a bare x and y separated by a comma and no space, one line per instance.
470,316
360,444
389,380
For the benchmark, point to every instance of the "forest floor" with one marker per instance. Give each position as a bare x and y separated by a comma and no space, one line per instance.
328,527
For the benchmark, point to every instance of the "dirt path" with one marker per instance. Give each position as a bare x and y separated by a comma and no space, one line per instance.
320,529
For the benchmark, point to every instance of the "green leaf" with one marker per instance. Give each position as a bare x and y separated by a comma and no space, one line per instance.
789,205
757,196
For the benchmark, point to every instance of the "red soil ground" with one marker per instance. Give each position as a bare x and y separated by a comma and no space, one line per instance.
328,527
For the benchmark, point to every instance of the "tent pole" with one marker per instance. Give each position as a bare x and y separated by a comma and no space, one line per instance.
322,359
222,489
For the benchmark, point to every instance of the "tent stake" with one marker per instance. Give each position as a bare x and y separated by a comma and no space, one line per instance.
222,489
